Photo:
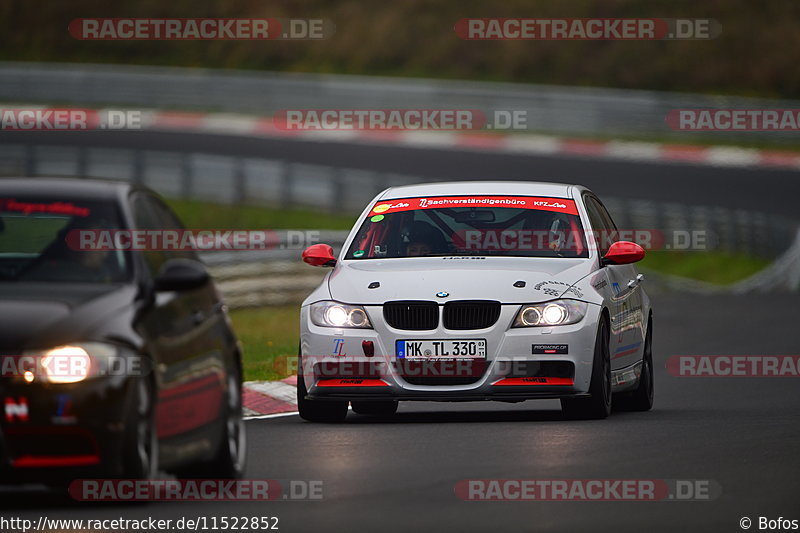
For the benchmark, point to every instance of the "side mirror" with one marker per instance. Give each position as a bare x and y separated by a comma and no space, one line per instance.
181,275
623,253
319,255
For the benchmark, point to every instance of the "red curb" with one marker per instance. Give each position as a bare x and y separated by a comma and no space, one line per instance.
265,405
499,142
291,380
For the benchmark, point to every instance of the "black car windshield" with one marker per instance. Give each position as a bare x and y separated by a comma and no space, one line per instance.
522,226
40,241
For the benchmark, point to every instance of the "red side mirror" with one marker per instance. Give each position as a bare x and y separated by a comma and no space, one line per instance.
623,253
319,255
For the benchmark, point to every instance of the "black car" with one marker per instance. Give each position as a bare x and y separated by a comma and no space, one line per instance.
113,363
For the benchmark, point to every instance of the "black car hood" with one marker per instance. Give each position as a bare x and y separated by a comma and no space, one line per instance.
41,315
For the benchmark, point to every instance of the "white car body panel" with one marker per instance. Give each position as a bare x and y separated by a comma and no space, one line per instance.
604,289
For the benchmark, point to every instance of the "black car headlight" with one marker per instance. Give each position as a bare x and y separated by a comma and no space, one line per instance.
554,313
76,362
331,314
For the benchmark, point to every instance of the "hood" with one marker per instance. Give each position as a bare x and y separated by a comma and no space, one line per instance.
45,314
464,278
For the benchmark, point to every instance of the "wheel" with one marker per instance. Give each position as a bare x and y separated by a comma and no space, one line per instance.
315,410
641,399
231,456
598,405
375,408
140,451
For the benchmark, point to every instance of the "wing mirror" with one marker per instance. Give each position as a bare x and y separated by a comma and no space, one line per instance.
181,275
623,253
319,255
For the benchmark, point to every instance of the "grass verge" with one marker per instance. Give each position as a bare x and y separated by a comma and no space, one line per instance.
269,337
721,268
207,215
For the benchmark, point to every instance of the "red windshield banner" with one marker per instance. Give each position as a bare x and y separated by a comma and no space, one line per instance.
52,208
558,205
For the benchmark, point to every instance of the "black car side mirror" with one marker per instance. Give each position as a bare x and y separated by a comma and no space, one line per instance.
181,275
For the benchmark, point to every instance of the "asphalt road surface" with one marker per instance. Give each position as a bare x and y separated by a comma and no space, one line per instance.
400,474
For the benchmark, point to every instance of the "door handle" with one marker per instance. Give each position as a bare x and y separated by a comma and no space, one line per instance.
639,278
198,317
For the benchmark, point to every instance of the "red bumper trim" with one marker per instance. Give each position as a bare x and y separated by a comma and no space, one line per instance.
529,381
352,382
30,461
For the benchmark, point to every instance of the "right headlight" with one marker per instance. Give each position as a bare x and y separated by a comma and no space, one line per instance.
337,315
554,313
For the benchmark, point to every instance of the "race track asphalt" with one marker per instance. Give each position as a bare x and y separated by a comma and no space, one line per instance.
400,474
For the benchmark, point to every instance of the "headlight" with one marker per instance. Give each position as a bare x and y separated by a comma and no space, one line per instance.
555,313
71,363
336,315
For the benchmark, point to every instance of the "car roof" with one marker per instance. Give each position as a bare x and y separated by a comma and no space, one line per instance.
489,188
72,188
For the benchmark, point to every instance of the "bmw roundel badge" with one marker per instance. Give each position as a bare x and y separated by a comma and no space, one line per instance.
442,294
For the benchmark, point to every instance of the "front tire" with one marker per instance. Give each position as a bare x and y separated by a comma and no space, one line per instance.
642,398
330,412
598,405
140,451
231,457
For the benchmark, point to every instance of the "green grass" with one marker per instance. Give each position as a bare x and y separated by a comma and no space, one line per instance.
269,339
721,268
206,215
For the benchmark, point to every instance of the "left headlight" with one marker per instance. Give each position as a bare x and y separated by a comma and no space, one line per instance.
338,315
555,313
70,363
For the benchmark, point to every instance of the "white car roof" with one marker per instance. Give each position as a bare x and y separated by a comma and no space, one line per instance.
461,188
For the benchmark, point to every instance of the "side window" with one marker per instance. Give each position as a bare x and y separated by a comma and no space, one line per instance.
150,214
169,221
606,216
603,227
145,219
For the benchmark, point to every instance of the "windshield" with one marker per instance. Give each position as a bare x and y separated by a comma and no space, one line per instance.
36,243
522,226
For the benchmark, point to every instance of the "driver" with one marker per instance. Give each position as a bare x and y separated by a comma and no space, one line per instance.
424,239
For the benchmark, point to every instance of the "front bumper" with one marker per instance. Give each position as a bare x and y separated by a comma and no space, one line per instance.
56,433
335,364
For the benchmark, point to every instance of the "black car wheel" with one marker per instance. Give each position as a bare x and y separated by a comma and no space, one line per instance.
329,411
140,451
641,399
598,405
231,457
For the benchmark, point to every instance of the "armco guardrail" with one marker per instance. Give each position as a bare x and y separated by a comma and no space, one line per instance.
225,179
549,109
278,277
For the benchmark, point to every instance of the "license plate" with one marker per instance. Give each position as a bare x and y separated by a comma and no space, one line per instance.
442,349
